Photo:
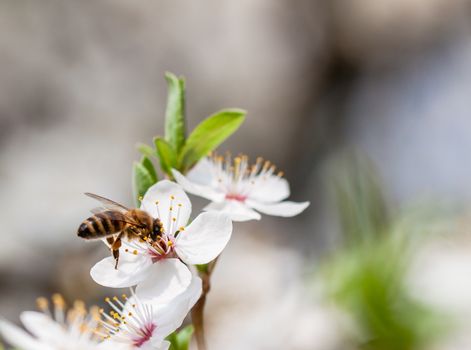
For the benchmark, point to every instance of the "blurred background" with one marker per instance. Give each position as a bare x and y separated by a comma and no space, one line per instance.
364,104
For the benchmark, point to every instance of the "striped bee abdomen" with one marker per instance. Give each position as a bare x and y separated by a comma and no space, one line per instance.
102,224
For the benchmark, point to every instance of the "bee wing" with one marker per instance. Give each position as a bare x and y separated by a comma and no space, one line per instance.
107,204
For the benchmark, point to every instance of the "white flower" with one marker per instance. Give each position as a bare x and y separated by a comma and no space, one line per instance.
236,188
56,329
135,324
146,324
157,265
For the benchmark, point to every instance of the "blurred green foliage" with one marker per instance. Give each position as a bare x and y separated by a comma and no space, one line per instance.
367,276
181,340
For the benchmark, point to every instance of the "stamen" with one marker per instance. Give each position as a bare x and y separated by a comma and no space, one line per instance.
42,304
59,306
158,211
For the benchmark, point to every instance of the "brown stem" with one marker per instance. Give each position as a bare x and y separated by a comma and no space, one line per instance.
197,313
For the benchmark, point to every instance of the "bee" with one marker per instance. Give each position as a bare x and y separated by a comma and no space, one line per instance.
114,222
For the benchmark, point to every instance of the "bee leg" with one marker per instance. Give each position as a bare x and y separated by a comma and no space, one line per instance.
115,248
110,241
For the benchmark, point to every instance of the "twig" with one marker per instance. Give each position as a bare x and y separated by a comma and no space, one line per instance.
197,313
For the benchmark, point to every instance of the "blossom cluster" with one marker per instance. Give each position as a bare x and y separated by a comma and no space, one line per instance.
159,272
158,250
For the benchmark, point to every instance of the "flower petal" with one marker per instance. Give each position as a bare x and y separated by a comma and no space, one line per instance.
19,338
44,328
202,173
268,189
238,211
167,208
172,315
204,239
285,209
205,191
167,278
155,345
132,269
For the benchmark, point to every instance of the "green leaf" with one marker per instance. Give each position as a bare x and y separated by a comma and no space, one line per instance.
167,156
147,163
181,340
209,134
175,130
142,180
146,150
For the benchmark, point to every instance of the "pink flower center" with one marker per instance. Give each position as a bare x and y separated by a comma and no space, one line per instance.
236,197
162,248
144,335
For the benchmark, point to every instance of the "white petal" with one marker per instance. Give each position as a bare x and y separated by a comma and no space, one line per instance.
202,173
19,338
268,189
165,345
155,345
238,211
167,278
172,315
44,328
285,209
204,239
204,191
132,269
162,192
111,345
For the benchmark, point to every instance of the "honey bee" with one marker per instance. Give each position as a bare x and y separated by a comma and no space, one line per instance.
114,221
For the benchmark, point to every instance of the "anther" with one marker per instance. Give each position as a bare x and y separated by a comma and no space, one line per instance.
42,303
58,300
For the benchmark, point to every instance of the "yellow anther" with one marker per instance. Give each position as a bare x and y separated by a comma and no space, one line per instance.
124,296
133,305
58,300
83,328
181,228
170,243
174,219
42,303
115,298
134,252
126,250
79,306
171,208
130,314
172,197
140,198
101,311
180,205
156,202
107,299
